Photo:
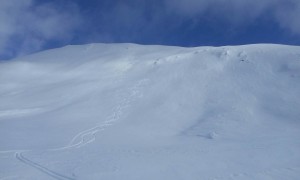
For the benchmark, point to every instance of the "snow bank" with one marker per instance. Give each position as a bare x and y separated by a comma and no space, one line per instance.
126,111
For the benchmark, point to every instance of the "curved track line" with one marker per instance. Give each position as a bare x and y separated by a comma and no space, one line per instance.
41,168
87,132
84,137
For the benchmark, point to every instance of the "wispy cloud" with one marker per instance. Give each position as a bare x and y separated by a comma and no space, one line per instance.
27,27
238,12
147,20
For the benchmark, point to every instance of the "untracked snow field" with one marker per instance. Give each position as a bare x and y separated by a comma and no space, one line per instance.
133,112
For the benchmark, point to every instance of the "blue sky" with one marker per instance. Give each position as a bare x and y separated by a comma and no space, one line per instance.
28,26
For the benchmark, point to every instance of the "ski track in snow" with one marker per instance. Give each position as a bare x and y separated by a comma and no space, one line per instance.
89,135
82,138
126,97
41,168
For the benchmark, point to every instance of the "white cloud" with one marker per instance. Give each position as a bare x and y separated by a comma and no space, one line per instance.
288,16
285,12
25,26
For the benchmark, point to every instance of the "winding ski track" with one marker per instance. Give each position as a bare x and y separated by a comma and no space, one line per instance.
82,138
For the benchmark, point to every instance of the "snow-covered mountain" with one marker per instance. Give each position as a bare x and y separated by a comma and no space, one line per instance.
125,111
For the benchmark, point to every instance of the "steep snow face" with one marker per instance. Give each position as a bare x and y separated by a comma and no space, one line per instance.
125,111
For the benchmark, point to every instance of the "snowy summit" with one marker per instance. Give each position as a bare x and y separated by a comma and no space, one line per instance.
133,112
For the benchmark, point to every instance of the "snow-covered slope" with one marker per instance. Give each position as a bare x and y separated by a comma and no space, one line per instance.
125,111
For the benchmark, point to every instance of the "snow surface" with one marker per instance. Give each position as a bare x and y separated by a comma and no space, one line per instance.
125,111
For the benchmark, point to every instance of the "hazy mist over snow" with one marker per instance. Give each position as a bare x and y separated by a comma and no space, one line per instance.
31,25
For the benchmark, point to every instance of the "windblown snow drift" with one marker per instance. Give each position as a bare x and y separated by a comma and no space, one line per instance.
125,111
